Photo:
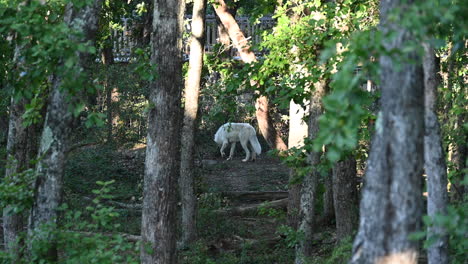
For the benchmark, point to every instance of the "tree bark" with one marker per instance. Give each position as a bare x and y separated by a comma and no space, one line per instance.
192,90
223,34
391,204
345,197
145,38
434,161
161,165
108,59
328,202
54,140
307,214
21,148
242,45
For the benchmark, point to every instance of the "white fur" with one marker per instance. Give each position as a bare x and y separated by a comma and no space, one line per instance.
238,132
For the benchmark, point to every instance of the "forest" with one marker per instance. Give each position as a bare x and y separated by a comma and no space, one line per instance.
116,119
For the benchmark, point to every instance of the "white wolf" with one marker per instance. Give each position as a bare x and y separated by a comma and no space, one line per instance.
238,132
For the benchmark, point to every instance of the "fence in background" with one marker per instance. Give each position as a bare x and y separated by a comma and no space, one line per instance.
124,42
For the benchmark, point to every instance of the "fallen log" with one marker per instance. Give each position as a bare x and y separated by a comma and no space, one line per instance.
253,208
119,204
129,237
256,196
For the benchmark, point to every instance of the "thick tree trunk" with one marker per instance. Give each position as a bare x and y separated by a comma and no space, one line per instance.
328,203
345,197
54,140
434,161
21,148
192,90
162,166
307,214
242,45
391,204
298,130
223,35
294,201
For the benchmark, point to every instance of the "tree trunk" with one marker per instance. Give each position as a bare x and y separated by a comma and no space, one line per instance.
307,212
298,130
54,140
345,197
161,166
434,161
391,204
108,59
21,148
145,38
328,203
294,201
223,34
192,90
241,43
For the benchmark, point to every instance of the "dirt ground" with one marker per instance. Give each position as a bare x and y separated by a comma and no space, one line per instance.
265,174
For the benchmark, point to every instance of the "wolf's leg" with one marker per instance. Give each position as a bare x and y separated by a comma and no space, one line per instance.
231,153
246,149
225,143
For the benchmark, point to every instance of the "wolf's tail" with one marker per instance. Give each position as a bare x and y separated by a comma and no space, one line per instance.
255,144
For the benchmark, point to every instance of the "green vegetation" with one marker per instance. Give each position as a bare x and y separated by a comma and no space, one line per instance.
333,41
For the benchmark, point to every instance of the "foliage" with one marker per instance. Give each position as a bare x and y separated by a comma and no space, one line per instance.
81,237
292,237
40,45
271,212
224,98
219,226
337,254
102,163
455,225
16,191
341,253
129,96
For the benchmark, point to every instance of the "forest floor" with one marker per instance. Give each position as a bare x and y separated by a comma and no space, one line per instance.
241,205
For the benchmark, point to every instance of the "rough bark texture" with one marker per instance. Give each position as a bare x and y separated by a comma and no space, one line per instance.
223,34
192,90
265,124
242,45
345,197
21,148
55,135
145,37
294,201
328,203
434,161
391,204
307,213
162,166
